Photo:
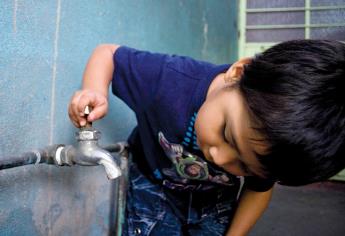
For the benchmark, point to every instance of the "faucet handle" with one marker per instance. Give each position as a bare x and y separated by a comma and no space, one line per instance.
87,111
87,132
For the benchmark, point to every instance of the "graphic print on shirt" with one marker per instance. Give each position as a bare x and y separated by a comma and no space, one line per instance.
188,167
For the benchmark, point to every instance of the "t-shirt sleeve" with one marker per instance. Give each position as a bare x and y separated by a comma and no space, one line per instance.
136,76
258,184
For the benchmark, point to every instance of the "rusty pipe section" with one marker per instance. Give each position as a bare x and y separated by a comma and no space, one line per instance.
37,156
89,153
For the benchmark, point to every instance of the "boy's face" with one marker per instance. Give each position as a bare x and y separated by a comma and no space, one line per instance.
225,134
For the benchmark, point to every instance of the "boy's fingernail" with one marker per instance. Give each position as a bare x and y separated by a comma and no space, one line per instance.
90,117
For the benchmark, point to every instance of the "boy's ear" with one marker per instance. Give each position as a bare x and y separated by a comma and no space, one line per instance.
234,73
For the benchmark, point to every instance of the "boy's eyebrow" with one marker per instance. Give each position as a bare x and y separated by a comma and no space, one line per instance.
233,142
231,137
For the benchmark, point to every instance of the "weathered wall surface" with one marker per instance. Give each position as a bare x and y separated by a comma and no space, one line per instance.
44,46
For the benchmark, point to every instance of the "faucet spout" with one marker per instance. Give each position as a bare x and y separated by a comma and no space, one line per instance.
104,158
88,153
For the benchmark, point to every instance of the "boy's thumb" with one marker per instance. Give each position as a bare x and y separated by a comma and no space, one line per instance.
97,113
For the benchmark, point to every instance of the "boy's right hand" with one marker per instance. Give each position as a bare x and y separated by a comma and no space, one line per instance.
82,98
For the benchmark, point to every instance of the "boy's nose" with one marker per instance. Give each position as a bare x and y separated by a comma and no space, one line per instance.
221,155
213,152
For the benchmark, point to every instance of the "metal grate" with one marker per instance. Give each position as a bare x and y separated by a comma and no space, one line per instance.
265,23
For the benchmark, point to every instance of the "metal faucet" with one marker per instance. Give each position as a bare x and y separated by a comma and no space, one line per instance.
88,152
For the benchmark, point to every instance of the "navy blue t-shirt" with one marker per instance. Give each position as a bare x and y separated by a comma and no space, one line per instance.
166,92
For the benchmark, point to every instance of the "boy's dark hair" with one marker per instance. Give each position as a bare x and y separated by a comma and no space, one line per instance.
296,93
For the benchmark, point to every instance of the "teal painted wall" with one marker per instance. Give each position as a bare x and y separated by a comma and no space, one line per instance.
44,46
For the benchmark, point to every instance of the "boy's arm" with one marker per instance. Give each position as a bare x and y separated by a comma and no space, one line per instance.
96,80
99,70
251,206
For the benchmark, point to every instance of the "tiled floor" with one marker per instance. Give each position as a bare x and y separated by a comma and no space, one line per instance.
313,210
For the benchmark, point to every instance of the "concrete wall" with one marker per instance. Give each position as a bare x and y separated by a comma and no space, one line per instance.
44,46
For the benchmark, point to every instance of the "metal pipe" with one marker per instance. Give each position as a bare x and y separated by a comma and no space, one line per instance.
119,185
46,155
37,156
118,193
88,153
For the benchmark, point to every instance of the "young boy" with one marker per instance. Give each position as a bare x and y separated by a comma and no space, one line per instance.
279,116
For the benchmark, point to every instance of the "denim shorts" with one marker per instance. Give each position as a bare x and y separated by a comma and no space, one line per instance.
154,210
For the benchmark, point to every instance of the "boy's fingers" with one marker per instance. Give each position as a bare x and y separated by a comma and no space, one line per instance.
98,112
71,115
75,124
80,100
72,108
73,118
82,122
85,100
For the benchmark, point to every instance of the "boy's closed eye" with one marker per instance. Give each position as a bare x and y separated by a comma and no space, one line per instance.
231,142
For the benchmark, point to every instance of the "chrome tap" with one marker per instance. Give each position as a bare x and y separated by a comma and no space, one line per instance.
88,152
